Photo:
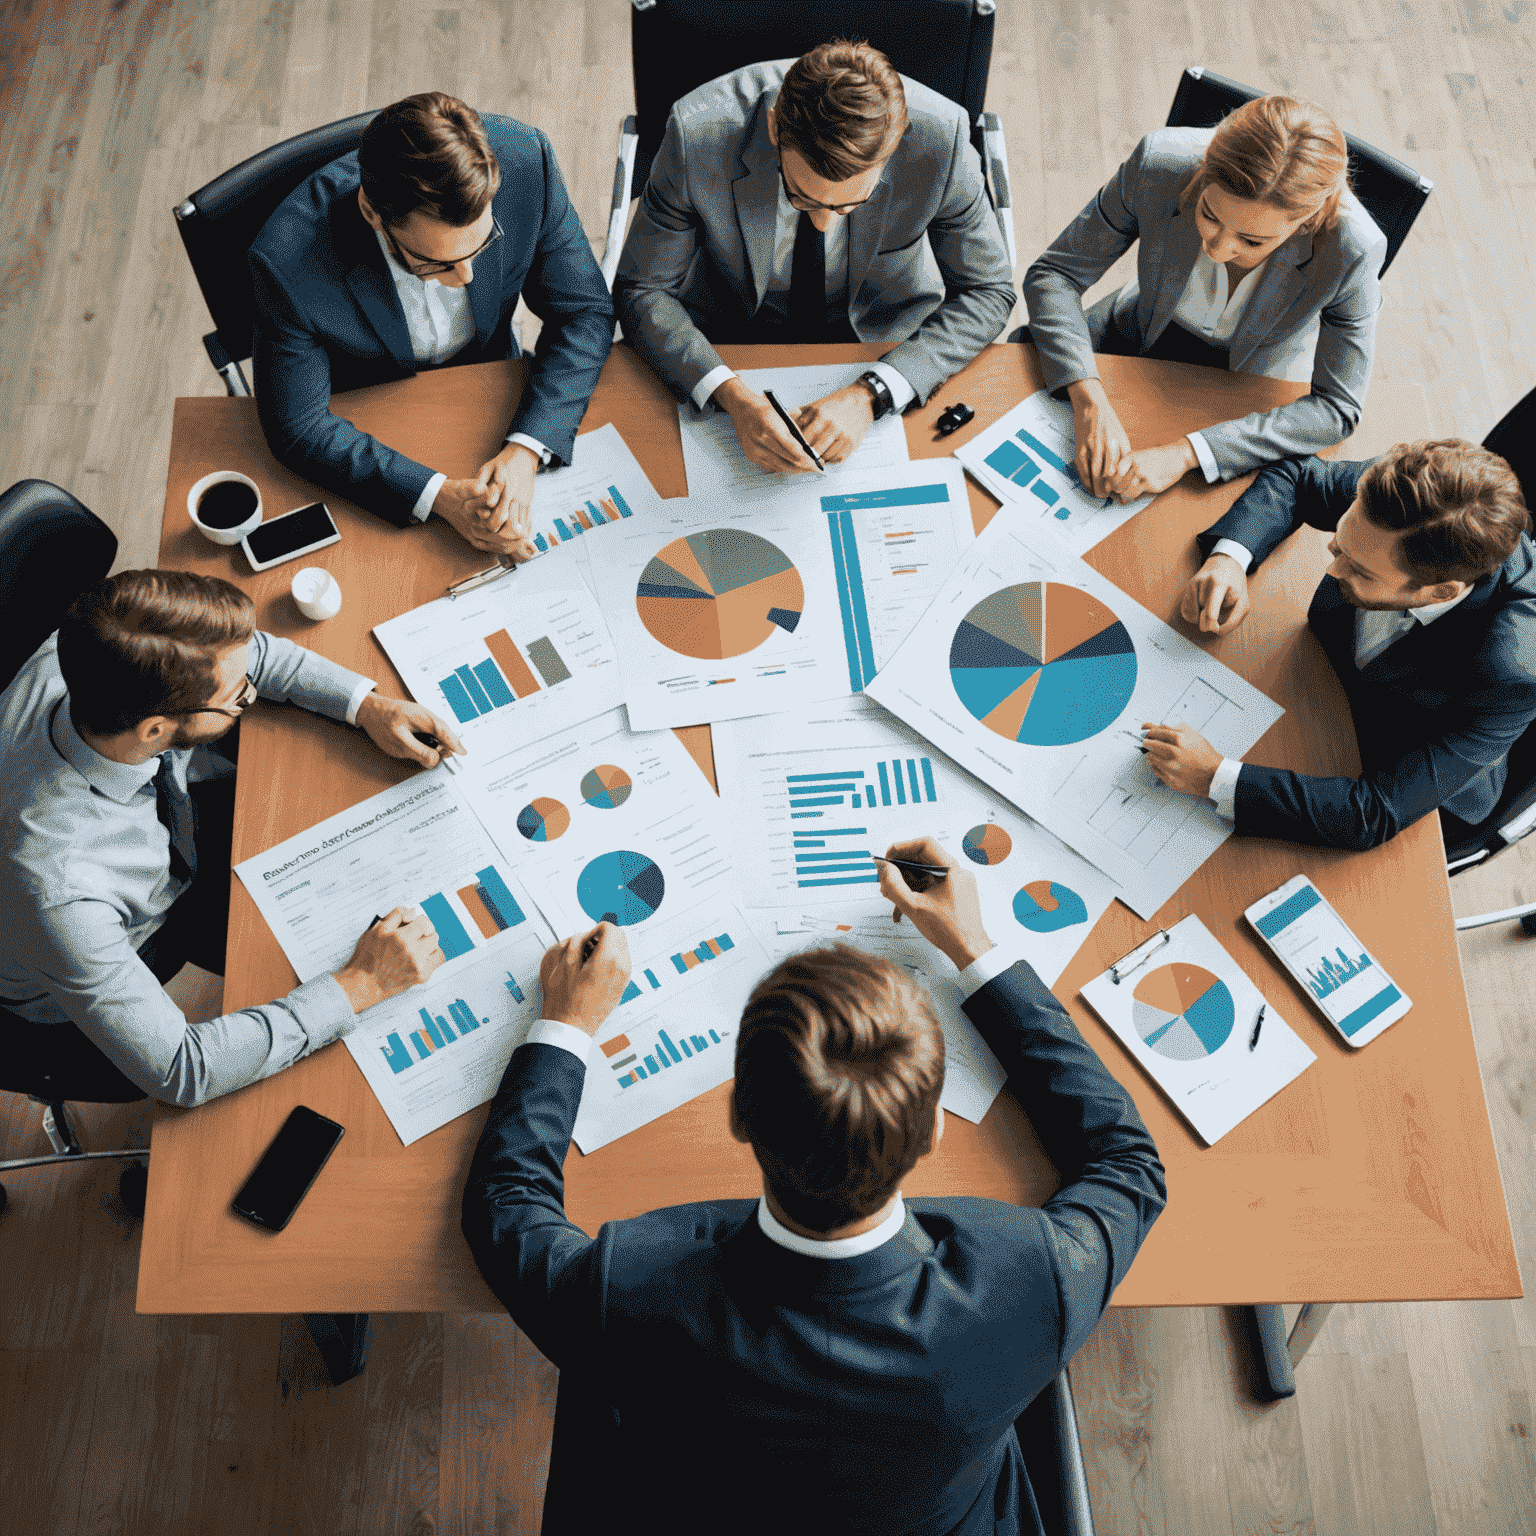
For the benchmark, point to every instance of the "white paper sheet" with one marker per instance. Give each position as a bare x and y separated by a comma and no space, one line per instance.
788,784
816,589
973,1076
1056,740
1025,460
512,661
712,453
603,486
1187,1017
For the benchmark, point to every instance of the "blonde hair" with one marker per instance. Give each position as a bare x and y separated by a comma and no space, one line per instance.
1277,150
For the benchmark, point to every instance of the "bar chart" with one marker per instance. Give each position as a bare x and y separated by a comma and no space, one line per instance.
637,1063
475,690
435,1034
583,518
490,906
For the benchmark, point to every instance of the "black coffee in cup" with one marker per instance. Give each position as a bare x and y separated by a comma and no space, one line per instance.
226,504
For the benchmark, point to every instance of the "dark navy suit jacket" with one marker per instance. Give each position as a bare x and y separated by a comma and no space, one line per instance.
1435,713
329,319
745,1387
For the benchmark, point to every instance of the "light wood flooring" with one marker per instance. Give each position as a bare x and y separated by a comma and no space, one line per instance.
1410,1419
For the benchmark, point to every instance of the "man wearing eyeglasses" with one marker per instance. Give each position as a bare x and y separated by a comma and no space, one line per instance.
116,810
410,254
811,202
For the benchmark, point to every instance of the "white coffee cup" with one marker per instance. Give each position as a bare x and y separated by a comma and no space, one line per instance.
317,593
223,535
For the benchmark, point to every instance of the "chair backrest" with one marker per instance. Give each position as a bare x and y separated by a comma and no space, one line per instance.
219,222
52,548
1391,192
678,45
1515,439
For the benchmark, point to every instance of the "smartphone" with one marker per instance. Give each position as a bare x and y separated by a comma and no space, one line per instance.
1343,979
295,533
287,1169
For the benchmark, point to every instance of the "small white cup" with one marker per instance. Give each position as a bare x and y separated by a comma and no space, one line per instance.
317,593
223,535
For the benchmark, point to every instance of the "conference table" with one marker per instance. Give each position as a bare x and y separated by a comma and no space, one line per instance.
1372,1177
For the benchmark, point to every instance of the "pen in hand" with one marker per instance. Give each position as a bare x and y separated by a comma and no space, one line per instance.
794,430
1258,1024
938,871
1138,739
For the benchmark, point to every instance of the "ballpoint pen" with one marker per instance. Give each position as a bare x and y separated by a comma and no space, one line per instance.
938,871
1138,739
794,431
1258,1024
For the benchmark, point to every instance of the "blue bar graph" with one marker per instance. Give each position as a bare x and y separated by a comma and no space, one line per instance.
396,1055
806,778
562,530
933,794
1054,460
850,598
661,1035
901,793
430,1026
713,1036
473,689
1329,977
885,787
451,937
458,700
650,976
496,896
541,541
494,683
685,1048
619,502
513,988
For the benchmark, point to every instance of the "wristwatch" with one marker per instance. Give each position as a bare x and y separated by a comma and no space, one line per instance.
880,391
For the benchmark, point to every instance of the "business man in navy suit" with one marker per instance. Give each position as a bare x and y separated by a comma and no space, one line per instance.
830,1357
1428,614
409,254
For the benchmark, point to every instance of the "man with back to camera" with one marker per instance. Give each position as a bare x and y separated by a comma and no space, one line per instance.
116,809
797,202
1428,615
831,1357
409,254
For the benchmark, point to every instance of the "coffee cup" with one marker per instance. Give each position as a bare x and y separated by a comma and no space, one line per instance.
225,506
317,593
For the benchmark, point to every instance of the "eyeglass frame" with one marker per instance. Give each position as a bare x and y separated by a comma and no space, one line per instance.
243,700
795,199
437,268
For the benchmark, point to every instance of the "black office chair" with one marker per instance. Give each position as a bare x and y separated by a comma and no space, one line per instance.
219,223
1053,1457
1392,193
679,45
52,548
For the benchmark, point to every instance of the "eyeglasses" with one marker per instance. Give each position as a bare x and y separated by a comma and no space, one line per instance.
243,701
422,266
809,204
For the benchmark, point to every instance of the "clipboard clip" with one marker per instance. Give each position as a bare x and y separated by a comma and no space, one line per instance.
480,578
1139,956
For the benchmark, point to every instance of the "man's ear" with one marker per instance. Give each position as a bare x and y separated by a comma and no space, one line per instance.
1442,592
773,126
938,1127
366,209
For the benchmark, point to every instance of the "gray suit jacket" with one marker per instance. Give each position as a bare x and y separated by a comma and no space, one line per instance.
1330,282
696,264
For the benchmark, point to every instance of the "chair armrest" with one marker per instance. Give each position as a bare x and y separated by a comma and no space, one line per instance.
994,161
623,187
225,366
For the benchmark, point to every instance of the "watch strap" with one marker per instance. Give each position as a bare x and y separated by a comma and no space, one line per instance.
885,402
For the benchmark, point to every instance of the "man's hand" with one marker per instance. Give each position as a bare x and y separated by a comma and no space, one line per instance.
462,504
1181,757
947,911
397,953
1217,596
835,425
763,437
506,483
395,726
584,976
1102,446
1150,470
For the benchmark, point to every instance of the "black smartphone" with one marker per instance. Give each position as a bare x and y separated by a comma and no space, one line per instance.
287,1169
287,537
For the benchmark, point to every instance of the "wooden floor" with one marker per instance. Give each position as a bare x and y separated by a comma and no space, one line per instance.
1410,1419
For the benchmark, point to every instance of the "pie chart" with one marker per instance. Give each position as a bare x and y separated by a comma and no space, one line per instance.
606,787
1043,906
620,887
1183,1012
1043,663
543,820
986,844
719,593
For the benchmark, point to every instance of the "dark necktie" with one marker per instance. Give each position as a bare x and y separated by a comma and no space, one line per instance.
808,283
174,808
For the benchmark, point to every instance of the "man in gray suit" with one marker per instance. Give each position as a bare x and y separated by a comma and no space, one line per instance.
797,202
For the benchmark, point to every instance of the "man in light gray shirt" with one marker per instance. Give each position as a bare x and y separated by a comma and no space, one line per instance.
115,814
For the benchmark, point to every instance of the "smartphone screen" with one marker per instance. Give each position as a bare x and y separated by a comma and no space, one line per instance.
1328,960
287,1169
289,533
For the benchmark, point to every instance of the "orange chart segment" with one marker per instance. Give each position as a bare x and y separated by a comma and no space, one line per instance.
719,593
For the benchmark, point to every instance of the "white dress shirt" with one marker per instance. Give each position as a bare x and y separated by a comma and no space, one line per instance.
836,239
440,323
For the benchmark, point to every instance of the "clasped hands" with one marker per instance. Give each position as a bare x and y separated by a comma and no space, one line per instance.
1106,464
493,510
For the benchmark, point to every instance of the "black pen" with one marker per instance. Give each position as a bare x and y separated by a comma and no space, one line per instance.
1258,1024
938,871
794,431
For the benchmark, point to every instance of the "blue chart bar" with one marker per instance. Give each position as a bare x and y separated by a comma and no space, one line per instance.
541,541
1056,463
1048,494
677,961
885,787
850,595
901,794
650,976
494,683
458,700
433,1032
562,530
1012,463
462,1016
806,778
805,815
594,514
820,800
1352,1023
898,496
494,893
928,780
451,937
917,798
473,689
687,1050
513,988
629,994
619,502
650,1064
396,1055
1330,977
713,1036
1288,911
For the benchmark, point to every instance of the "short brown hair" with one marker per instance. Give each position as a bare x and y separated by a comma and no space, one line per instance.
842,108
839,1068
1458,507
143,643
1277,150
429,152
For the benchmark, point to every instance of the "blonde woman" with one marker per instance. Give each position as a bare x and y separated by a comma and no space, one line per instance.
1254,255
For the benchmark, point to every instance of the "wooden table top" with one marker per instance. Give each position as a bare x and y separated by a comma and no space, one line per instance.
1373,1177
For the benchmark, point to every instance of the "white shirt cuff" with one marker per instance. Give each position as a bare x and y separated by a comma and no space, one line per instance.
710,383
1224,788
551,1032
1239,552
423,508
1206,457
983,968
901,391
524,441
365,686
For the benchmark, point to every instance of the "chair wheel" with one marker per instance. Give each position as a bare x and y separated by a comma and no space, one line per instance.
132,1188
1528,922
